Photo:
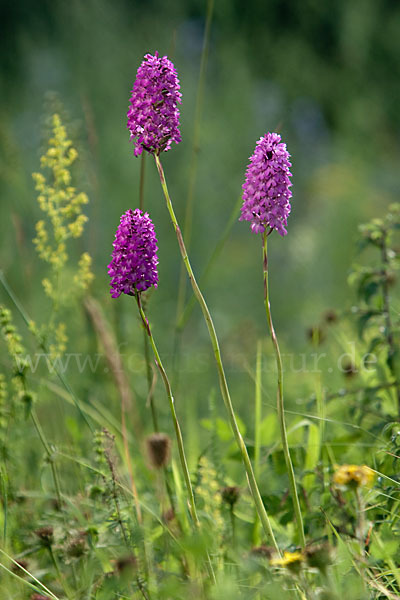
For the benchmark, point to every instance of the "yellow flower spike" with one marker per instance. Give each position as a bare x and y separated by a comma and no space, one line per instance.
62,205
353,476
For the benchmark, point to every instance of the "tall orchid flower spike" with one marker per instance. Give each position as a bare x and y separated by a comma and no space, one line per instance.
133,270
266,204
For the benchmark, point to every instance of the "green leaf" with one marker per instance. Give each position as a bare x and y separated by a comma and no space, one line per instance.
385,545
269,430
312,454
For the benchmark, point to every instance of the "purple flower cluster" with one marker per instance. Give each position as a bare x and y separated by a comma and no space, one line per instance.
153,117
134,258
266,193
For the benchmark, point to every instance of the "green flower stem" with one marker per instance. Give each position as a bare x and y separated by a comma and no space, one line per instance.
280,405
262,513
173,412
149,373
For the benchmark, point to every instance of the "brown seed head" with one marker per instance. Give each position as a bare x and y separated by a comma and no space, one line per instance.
158,449
125,564
168,515
45,535
230,495
77,546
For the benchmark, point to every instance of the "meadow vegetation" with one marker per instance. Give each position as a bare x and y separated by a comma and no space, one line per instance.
142,456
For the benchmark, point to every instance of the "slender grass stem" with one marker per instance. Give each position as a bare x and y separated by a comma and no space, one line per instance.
257,431
280,405
49,455
262,513
177,428
40,589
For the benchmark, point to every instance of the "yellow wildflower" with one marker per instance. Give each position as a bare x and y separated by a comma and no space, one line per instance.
62,205
290,560
353,475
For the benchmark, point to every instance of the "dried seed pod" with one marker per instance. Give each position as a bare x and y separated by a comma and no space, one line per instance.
158,449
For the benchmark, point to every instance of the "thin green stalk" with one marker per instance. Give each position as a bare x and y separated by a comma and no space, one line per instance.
262,513
173,412
150,398
40,589
280,405
49,456
257,431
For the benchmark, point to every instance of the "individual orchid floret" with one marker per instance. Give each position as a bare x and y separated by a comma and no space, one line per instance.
153,116
133,267
266,190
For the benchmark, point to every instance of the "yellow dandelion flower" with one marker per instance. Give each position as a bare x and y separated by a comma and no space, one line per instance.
353,475
290,560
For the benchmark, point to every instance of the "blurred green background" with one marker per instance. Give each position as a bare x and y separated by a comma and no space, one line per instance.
323,74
